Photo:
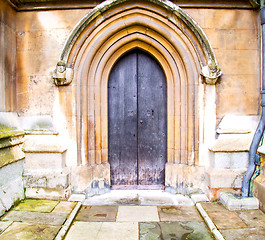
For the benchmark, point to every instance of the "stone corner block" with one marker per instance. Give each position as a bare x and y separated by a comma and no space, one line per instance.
77,197
232,202
225,178
199,198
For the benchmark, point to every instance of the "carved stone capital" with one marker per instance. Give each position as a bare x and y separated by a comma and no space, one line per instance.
211,73
62,75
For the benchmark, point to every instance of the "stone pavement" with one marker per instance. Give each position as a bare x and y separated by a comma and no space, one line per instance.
43,219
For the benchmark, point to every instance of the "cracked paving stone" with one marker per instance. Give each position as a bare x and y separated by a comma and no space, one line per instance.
252,218
36,205
24,231
36,217
244,234
179,214
174,231
97,214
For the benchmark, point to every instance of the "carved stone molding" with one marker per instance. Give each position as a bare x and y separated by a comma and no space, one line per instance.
211,74
62,75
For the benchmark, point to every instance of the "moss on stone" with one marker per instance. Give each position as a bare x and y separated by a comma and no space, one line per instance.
36,205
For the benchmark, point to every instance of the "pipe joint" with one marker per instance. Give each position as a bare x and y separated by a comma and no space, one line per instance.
262,15
262,98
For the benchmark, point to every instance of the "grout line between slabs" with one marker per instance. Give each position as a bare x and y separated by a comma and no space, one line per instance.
68,222
209,222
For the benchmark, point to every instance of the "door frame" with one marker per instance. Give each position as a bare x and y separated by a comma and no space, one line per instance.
103,36
133,57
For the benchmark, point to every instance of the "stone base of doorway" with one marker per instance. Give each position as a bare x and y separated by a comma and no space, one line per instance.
142,198
233,202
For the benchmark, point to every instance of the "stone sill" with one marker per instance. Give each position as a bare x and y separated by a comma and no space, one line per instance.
41,132
10,133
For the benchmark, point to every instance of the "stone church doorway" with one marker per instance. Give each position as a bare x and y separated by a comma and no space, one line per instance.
137,122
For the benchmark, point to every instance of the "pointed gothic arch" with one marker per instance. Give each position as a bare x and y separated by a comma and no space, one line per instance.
173,38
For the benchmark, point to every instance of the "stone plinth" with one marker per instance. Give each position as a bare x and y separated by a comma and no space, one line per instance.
184,179
45,172
91,180
229,155
11,161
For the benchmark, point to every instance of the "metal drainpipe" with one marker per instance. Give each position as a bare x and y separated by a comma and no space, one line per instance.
259,132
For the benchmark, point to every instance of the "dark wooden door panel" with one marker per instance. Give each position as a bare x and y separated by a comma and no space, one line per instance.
122,110
137,105
152,121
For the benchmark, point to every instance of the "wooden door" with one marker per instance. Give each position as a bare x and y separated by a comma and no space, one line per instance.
137,121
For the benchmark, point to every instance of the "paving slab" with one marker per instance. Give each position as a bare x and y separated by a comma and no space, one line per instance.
179,214
36,205
64,207
174,231
252,218
137,214
97,214
227,220
103,231
244,234
36,217
24,231
213,206
4,225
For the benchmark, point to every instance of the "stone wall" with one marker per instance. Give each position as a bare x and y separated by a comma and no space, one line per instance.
7,57
233,33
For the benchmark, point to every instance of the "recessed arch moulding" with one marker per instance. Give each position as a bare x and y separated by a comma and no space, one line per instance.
176,41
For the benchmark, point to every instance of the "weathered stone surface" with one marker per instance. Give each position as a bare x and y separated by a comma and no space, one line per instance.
15,168
233,202
64,207
253,218
36,217
77,197
174,230
44,143
199,198
245,234
225,178
212,206
184,179
46,178
44,160
137,214
179,214
229,160
232,143
4,225
12,193
36,205
48,193
18,231
97,214
11,154
235,124
227,220
100,231
259,187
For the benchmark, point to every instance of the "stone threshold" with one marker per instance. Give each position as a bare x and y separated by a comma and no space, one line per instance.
139,198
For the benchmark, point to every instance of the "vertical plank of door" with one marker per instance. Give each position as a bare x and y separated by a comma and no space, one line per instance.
152,121
122,110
